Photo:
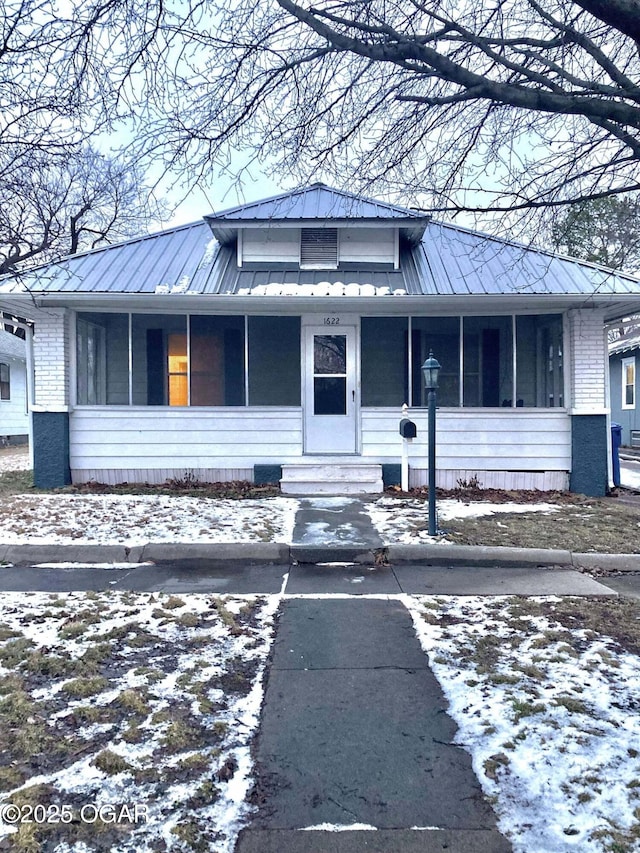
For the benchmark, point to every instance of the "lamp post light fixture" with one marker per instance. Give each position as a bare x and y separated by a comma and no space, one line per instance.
430,371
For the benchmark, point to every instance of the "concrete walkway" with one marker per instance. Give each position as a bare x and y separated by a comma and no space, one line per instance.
354,731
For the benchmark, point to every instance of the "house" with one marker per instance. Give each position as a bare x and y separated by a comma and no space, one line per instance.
280,339
14,417
624,354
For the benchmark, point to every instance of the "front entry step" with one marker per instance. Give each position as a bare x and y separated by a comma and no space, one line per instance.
331,478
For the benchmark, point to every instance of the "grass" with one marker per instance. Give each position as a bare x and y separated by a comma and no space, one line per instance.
134,717
600,526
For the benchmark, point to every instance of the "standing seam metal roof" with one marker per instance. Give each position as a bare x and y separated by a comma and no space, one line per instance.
449,261
317,201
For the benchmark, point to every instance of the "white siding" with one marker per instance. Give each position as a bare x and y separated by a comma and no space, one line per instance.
368,245
271,244
515,448
148,444
14,419
355,245
528,445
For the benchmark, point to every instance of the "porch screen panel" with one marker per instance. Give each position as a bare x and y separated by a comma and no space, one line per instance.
539,360
159,352
102,359
442,336
488,361
383,361
217,361
274,361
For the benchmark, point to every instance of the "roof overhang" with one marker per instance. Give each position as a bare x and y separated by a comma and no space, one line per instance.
412,228
32,305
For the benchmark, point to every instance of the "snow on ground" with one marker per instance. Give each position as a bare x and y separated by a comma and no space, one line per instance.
405,521
138,700
549,714
14,458
137,519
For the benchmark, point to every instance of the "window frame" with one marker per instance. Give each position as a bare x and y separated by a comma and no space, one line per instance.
5,384
625,363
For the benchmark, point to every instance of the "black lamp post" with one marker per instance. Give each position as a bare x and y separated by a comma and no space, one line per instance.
430,370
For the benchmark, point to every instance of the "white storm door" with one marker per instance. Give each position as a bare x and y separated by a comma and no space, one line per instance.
330,389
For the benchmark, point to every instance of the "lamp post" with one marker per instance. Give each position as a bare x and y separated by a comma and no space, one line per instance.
430,370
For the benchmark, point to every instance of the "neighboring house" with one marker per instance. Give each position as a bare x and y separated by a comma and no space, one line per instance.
624,363
281,338
14,417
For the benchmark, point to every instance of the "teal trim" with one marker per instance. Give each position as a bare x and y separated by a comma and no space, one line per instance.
391,474
51,450
266,475
589,451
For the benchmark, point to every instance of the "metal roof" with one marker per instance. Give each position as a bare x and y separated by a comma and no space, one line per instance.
317,201
449,262
625,344
12,345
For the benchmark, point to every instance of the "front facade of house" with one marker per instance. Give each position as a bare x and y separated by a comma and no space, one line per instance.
290,332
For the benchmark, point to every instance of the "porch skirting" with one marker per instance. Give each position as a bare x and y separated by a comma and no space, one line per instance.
542,480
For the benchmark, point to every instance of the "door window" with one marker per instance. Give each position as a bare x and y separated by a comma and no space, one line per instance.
329,374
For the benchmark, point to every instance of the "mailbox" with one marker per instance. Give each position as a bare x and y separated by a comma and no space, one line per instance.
407,428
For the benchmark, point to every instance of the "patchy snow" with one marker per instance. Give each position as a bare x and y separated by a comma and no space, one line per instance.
166,739
549,715
405,521
14,458
137,519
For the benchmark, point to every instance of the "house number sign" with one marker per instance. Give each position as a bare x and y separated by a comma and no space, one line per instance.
331,321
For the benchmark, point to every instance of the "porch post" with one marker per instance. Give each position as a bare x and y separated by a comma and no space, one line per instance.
51,452
589,439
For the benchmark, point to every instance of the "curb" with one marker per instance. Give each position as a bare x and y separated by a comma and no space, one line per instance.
281,553
478,555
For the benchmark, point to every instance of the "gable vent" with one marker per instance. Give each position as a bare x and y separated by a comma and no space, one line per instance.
319,248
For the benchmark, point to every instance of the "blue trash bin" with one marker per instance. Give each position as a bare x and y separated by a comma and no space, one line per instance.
616,441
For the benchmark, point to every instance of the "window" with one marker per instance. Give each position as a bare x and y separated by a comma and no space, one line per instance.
177,370
217,361
158,356
479,365
5,382
442,335
102,359
274,361
384,346
319,248
487,361
629,383
539,376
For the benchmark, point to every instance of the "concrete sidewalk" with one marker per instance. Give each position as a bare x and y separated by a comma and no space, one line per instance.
334,548
354,731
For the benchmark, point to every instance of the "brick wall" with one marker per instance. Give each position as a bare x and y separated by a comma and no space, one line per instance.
588,359
51,356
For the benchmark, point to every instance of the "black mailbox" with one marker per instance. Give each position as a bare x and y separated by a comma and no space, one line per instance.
407,428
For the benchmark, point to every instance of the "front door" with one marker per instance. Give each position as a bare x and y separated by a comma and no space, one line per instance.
330,389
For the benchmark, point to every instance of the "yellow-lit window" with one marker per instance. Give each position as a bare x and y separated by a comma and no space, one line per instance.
178,373
628,383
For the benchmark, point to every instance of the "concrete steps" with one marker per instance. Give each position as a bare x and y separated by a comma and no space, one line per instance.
331,477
